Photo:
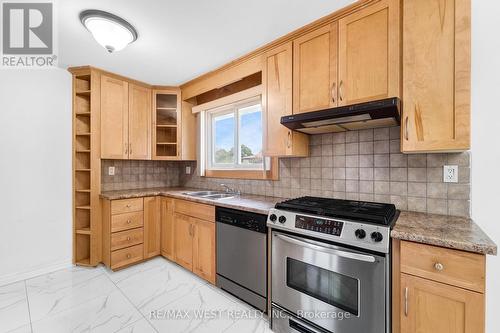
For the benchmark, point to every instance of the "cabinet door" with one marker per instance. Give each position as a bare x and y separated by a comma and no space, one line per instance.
369,53
315,70
114,118
277,102
139,124
152,227
436,76
167,228
429,306
183,241
204,249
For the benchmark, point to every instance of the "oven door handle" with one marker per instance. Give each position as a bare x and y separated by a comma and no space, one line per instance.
327,249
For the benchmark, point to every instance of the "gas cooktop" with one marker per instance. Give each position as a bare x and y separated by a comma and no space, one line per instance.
371,212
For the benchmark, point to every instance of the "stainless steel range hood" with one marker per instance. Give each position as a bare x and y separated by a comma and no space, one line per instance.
381,113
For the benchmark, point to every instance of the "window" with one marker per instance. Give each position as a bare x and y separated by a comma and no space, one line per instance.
234,136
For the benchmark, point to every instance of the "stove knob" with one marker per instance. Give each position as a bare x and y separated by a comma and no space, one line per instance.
282,219
360,234
377,237
273,217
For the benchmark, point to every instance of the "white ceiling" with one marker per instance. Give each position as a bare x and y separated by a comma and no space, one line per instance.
181,39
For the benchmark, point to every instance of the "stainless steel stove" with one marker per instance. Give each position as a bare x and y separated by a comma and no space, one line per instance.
331,265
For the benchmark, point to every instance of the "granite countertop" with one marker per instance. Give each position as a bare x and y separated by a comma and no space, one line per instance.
445,231
252,203
440,230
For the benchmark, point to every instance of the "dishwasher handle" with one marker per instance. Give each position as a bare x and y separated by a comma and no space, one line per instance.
326,248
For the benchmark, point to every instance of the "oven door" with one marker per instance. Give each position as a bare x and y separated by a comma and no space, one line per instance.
338,289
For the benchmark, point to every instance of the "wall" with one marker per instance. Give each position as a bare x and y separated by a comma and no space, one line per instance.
485,141
35,172
139,174
364,165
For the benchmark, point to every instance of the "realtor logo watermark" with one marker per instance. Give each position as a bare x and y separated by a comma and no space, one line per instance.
28,35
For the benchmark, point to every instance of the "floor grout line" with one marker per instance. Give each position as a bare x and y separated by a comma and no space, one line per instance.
28,303
135,307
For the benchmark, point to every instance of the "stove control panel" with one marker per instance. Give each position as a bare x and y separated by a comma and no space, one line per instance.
324,226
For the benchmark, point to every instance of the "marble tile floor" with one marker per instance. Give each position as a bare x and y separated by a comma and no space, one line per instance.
154,296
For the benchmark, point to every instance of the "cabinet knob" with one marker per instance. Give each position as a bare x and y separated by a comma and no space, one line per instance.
128,238
129,256
438,266
129,221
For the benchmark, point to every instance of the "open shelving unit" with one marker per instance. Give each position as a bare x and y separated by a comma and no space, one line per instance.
86,167
167,124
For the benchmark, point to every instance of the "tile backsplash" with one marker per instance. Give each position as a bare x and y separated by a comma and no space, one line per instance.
362,165
138,174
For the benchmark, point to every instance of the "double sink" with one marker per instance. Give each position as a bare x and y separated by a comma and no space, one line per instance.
214,195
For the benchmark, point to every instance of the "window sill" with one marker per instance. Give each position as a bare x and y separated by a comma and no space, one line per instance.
272,174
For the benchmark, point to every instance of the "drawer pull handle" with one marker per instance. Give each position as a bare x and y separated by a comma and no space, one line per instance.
129,221
129,256
406,302
128,205
438,266
128,238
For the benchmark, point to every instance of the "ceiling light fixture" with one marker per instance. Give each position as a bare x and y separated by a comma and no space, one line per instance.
109,30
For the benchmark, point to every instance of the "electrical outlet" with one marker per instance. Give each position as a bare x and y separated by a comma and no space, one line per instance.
188,170
450,174
111,171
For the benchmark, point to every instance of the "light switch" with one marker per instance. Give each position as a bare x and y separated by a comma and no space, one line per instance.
111,171
450,174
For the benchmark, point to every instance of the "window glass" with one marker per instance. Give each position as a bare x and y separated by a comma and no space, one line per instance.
250,135
223,139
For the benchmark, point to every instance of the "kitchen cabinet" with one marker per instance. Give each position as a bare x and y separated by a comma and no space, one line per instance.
204,249
152,227
125,119
436,76
194,239
277,102
114,118
437,289
369,55
167,117
167,228
139,122
123,231
315,70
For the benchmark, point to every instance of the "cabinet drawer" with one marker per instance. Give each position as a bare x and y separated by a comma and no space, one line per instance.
127,238
194,209
127,205
126,221
127,256
453,267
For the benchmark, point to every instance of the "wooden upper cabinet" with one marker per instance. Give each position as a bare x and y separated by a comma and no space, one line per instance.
369,53
277,102
152,227
167,228
315,70
204,249
436,75
429,306
139,115
167,117
183,241
114,118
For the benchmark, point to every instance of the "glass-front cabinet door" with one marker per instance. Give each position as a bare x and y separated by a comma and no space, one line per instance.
166,124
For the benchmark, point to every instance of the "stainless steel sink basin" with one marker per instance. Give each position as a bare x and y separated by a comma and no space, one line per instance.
214,195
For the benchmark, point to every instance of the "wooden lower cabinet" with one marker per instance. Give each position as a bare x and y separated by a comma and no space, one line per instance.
430,306
428,290
204,249
183,240
167,228
152,227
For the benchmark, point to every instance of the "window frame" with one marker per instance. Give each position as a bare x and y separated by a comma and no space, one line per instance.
234,109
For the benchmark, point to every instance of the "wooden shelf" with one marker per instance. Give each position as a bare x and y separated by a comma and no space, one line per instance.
83,231
82,191
82,170
166,143
82,134
166,126
83,151
85,114
83,93
84,262
83,207
167,109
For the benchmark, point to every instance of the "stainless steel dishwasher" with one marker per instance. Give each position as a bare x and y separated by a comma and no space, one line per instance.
242,255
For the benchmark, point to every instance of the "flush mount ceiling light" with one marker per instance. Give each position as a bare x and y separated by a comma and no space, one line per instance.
109,30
